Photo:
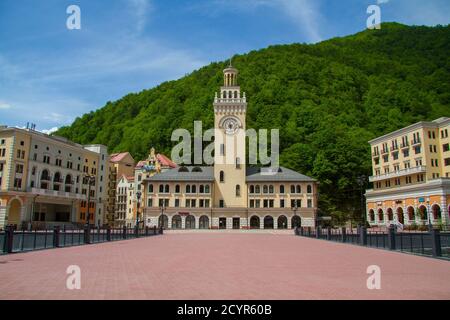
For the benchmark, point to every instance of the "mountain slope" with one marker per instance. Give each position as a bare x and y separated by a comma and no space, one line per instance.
328,99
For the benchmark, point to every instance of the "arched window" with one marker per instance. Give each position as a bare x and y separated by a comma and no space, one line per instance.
197,169
230,94
298,189
161,188
265,189
380,215
57,177
224,94
270,188
183,169
252,188
201,189
436,209
166,188
193,188
235,94
309,188
222,176
188,188
238,190
207,188
257,189
292,189
410,213
177,188
150,188
281,188
371,215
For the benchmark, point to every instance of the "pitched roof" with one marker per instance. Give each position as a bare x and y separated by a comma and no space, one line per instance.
203,173
117,157
165,161
255,174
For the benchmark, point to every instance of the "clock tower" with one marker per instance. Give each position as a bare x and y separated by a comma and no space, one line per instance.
230,109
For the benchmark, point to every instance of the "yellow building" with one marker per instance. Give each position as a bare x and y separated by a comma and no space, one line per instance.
411,175
119,164
43,180
229,194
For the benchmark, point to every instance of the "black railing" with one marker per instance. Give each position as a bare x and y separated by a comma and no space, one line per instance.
434,243
12,240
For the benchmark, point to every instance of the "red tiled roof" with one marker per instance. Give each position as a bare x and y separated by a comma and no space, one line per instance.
116,157
165,161
140,164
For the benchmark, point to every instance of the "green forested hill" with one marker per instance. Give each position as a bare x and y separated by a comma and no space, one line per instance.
327,99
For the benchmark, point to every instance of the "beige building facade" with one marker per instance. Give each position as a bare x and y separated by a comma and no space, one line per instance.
43,180
229,194
411,175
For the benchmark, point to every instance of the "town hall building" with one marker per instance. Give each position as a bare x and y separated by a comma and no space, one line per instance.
229,194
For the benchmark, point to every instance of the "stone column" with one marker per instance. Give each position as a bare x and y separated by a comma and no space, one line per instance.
183,222
261,222
444,211
275,222
244,223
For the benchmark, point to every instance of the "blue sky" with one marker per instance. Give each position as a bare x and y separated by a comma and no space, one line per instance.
49,75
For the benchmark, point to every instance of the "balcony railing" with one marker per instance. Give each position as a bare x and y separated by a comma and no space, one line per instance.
404,145
415,142
56,193
399,173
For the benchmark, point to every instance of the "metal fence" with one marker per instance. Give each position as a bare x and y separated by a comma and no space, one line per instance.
12,241
434,243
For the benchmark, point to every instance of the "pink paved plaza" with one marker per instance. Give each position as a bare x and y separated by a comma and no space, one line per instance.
222,265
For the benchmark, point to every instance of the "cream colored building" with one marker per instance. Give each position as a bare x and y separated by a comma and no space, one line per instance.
411,175
125,202
229,194
43,180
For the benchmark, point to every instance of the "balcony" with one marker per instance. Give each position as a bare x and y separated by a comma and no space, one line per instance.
384,151
404,145
399,173
55,193
394,148
416,142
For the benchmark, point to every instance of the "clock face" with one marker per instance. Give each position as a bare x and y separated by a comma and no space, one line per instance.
230,125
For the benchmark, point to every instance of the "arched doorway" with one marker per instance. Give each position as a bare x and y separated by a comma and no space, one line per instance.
268,222
176,222
371,215
282,222
163,221
423,214
204,222
296,221
390,214
380,215
254,222
436,209
14,212
400,215
190,222
411,216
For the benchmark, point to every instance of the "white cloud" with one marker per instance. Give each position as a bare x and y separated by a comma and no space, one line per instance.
140,9
303,14
49,131
4,106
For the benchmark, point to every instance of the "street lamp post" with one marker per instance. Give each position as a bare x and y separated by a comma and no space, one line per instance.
430,225
161,222
361,182
90,180
138,197
295,208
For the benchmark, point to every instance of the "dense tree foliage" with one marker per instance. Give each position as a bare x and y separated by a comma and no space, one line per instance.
328,99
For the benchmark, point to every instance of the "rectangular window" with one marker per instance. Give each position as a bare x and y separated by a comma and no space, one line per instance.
221,204
252,203
309,203
206,203
445,147
282,203
257,203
